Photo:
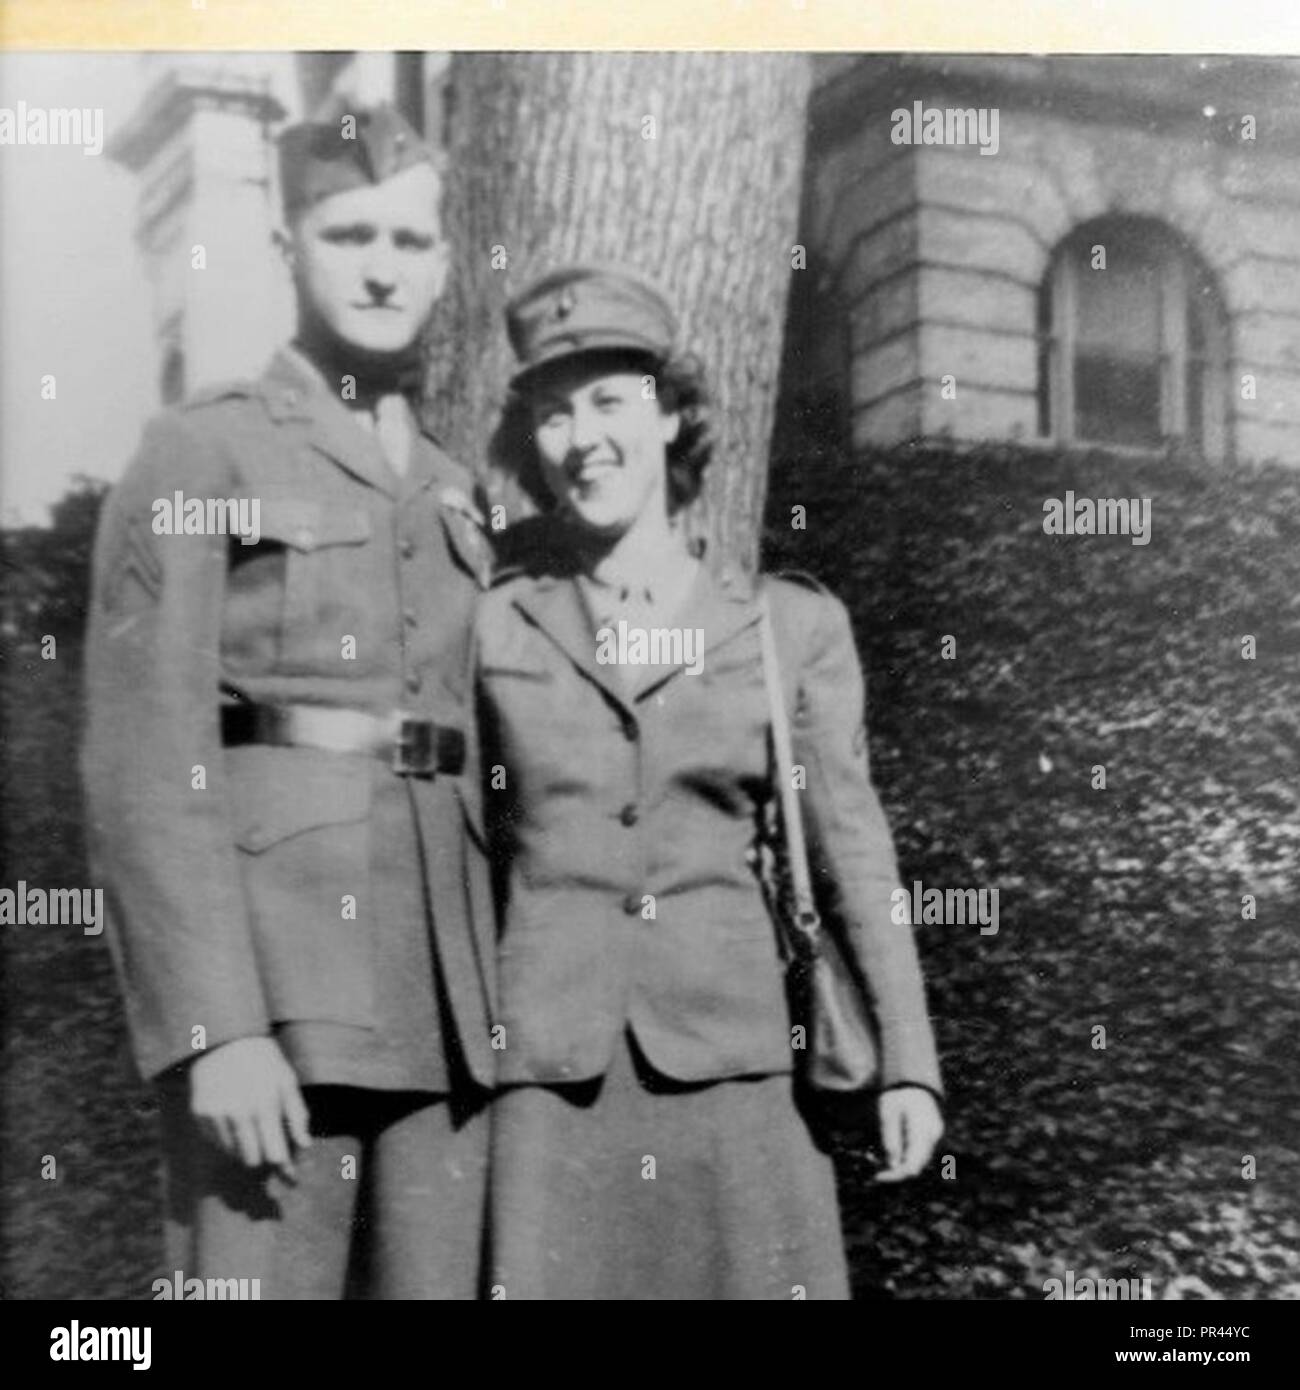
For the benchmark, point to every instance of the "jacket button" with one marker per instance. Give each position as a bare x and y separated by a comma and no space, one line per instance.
409,617
413,682
629,815
407,548
632,904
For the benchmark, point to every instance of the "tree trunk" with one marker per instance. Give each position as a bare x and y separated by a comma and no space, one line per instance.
685,166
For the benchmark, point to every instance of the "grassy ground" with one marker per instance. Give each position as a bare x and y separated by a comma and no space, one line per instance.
1119,908
66,1087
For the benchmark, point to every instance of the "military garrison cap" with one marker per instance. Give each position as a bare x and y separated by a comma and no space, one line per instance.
585,309
361,147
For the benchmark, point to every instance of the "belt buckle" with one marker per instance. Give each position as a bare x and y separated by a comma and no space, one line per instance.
413,751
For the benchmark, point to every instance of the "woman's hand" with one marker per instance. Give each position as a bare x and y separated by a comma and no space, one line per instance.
910,1126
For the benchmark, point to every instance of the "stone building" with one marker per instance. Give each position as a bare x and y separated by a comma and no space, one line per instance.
199,145
1120,266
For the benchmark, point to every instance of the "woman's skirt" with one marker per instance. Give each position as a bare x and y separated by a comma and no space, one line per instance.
635,1186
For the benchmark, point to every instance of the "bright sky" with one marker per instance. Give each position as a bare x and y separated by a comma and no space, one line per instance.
74,299
75,302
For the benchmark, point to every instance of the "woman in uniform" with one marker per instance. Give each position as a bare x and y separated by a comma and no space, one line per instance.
646,1139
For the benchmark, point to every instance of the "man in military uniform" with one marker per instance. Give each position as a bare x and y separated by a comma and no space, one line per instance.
274,763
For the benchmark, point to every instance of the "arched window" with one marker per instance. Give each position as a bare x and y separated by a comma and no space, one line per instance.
1133,341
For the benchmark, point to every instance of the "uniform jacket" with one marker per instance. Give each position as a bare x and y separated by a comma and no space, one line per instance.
603,801
226,904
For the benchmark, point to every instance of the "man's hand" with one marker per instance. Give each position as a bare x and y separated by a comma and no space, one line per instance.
910,1126
246,1099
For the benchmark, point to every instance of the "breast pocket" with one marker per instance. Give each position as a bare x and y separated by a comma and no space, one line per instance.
329,568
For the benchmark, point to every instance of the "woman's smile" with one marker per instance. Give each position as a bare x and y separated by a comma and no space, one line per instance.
601,442
590,472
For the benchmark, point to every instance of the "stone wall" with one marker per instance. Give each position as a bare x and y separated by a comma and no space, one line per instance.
933,255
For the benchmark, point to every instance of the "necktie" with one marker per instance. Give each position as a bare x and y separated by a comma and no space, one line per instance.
393,428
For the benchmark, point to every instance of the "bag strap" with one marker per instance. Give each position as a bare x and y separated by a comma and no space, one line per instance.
807,920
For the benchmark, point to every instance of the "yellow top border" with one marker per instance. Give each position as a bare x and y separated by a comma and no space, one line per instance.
1015,26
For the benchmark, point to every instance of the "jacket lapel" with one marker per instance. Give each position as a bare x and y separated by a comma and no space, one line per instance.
554,605
294,391
720,607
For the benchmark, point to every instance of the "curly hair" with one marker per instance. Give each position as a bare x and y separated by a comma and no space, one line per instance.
680,388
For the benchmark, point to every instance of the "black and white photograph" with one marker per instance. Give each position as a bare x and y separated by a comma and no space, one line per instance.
651,676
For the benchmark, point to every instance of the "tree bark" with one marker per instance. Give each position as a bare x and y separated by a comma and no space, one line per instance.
685,166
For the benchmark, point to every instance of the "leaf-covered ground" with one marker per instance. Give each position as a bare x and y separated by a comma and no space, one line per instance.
1120,908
